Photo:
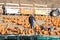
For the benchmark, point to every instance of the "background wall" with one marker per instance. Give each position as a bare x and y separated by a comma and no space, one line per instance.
50,3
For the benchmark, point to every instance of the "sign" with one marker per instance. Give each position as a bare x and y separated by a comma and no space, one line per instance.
42,11
12,10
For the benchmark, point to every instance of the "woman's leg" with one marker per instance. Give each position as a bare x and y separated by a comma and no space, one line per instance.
32,24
